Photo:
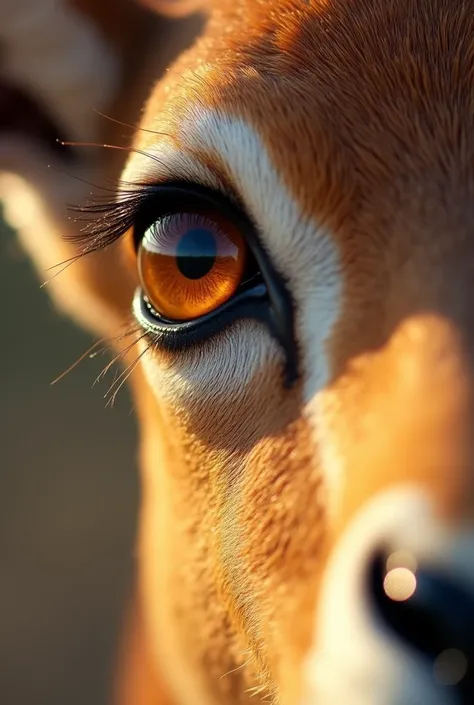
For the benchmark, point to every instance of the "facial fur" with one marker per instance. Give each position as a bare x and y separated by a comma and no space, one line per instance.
346,131
343,128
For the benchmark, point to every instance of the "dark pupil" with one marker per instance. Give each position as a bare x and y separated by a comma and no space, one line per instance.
196,253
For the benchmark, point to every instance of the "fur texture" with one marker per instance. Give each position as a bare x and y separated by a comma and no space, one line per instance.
345,128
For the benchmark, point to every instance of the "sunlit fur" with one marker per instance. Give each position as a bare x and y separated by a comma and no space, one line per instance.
362,112
346,129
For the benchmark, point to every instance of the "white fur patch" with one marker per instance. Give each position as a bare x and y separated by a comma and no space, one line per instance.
305,254
222,368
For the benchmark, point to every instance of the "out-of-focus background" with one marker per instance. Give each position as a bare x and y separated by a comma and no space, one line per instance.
68,501
68,470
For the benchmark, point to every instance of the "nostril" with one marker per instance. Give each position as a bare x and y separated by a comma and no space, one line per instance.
432,613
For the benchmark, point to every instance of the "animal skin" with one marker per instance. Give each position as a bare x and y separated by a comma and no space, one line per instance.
275,468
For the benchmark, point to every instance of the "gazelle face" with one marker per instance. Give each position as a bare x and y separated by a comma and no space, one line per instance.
320,415
304,269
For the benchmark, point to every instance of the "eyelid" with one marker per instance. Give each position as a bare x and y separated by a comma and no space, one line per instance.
134,209
195,198
281,311
136,206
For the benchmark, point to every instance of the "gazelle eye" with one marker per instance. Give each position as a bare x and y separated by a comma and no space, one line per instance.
202,267
190,264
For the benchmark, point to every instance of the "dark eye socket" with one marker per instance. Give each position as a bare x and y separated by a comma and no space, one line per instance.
201,267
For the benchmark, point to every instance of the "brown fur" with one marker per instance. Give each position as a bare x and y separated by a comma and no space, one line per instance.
365,109
388,169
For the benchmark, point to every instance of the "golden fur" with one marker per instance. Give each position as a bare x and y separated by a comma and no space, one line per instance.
365,109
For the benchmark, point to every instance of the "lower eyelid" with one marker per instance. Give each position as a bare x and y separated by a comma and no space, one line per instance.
269,302
175,336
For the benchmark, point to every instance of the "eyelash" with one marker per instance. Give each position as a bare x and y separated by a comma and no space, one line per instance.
140,205
107,221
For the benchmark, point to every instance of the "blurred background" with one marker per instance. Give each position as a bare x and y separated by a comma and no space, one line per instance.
68,502
68,471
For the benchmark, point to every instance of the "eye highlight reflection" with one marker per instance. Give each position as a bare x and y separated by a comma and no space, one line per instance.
400,584
190,264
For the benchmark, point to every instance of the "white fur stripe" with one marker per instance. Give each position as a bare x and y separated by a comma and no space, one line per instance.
304,253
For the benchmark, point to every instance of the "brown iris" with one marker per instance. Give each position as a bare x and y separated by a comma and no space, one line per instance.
190,264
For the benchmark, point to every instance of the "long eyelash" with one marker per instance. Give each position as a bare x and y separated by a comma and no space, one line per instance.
107,220
133,128
116,215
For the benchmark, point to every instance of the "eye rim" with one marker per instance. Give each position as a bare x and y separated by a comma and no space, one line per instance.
264,297
164,200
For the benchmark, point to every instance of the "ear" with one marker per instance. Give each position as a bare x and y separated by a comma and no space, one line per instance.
175,8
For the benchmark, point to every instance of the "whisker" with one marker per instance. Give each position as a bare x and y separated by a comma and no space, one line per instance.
120,148
87,353
70,175
117,377
133,127
123,355
92,351
104,145
116,374
237,668
129,371
67,263
119,356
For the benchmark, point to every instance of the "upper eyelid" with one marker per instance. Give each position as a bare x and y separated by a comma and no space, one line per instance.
165,163
170,164
148,171
126,212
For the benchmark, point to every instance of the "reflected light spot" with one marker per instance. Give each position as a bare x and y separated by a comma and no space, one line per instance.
450,667
400,584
